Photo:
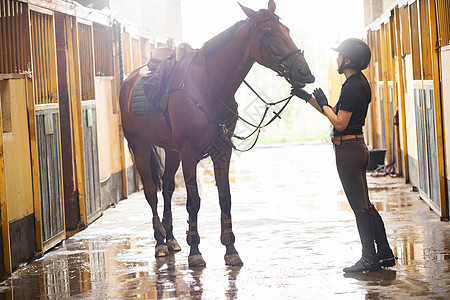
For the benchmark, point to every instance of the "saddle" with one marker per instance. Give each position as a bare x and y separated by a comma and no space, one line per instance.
151,93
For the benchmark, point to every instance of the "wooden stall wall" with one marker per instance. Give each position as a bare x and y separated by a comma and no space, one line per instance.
60,74
409,64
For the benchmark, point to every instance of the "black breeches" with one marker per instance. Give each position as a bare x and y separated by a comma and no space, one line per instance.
352,159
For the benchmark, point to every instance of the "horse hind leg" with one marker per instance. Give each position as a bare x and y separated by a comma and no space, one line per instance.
172,162
146,162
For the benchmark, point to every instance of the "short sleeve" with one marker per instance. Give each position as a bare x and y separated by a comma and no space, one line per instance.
348,99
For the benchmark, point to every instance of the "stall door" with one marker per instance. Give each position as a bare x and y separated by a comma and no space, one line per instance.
50,221
52,209
426,146
432,155
91,161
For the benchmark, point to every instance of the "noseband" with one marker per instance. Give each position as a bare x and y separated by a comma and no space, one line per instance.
281,70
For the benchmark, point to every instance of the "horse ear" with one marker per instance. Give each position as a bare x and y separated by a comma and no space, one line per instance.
272,6
248,11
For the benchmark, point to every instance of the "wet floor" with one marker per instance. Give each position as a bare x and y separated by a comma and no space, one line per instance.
294,232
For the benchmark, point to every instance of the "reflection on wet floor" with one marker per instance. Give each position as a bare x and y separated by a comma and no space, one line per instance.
294,231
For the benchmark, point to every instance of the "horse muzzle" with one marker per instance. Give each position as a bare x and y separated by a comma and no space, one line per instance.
300,79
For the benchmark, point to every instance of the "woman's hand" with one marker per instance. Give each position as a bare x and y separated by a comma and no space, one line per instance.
321,98
301,93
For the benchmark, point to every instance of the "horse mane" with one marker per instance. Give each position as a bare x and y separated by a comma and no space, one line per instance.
218,41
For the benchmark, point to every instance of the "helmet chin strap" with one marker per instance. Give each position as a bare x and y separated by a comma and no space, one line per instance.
342,67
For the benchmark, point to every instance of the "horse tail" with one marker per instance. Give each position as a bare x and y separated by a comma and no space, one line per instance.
156,168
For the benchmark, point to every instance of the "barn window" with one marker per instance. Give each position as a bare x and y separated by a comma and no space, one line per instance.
136,53
44,58
443,15
415,44
126,53
392,32
86,61
378,51
145,50
103,50
427,70
12,37
405,37
388,50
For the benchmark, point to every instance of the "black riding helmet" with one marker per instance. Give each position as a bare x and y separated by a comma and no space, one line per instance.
357,51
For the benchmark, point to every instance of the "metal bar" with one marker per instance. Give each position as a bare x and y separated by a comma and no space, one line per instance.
39,59
34,56
435,64
385,91
2,42
15,38
22,64
46,61
402,112
9,38
52,61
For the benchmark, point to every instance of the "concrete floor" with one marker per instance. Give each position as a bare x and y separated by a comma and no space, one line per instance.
294,232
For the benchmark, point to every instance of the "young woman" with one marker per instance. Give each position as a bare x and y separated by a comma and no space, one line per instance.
352,156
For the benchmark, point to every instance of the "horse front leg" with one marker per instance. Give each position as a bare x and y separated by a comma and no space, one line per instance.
189,163
172,162
221,173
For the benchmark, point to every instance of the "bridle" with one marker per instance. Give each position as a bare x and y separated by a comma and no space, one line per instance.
281,69
223,125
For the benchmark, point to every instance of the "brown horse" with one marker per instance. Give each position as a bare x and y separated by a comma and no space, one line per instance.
201,114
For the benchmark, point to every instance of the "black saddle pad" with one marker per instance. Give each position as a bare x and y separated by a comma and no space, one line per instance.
140,105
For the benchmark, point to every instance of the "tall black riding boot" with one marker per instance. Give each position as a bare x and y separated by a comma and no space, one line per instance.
385,255
369,261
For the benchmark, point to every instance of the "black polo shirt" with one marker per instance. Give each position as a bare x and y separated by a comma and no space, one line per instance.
355,99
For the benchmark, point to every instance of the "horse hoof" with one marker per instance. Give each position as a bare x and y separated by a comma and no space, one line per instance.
196,261
161,251
172,244
233,260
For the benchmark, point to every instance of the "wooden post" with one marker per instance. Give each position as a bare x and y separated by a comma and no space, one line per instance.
372,77
4,208
385,92
75,96
31,96
393,45
435,56
117,42
401,83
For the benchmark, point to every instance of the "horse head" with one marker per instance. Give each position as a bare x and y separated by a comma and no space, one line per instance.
271,46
